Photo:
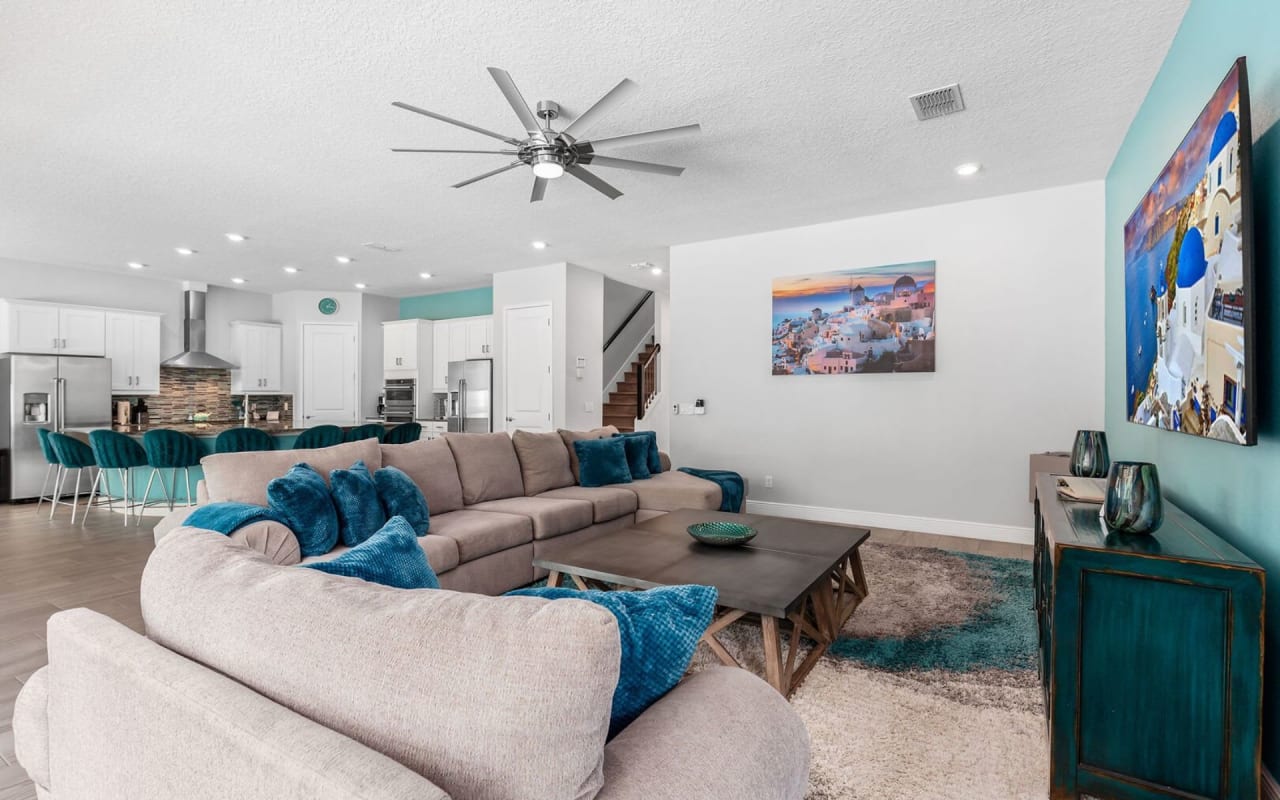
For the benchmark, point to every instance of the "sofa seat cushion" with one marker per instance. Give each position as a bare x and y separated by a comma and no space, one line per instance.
479,533
550,516
441,551
243,477
429,462
607,502
487,466
673,490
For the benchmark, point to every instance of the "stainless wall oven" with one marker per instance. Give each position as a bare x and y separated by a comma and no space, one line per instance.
401,399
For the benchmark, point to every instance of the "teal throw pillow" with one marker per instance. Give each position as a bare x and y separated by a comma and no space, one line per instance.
300,499
401,497
391,557
659,630
637,450
651,442
355,495
601,462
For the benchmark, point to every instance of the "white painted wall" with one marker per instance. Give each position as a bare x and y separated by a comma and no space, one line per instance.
222,307
375,310
584,338
292,309
1019,365
526,287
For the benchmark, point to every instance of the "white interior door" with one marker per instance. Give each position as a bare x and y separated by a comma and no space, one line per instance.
329,374
527,359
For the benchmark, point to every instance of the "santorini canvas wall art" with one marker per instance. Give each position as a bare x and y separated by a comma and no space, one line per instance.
869,319
1187,281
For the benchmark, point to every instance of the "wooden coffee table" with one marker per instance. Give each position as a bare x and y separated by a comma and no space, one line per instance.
801,578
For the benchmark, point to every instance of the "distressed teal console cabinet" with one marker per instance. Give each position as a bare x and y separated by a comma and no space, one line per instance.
1150,655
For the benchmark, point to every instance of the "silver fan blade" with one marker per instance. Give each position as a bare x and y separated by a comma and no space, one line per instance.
453,121
428,150
614,98
539,189
488,174
626,163
509,90
594,182
648,137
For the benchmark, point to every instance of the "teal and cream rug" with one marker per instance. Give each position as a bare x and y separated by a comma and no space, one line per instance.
931,691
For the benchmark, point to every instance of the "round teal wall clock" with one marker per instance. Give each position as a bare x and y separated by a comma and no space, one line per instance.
328,306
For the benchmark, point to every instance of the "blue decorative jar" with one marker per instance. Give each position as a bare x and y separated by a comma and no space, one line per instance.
1089,457
1133,503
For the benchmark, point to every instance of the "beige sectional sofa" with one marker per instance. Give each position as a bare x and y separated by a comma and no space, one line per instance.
496,501
260,681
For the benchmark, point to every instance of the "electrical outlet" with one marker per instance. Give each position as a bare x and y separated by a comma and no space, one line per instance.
768,481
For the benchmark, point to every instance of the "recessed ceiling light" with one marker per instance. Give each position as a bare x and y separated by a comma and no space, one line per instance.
291,270
656,270
971,168
236,237
184,251
539,245
237,280
343,259
361,286
137,265
424,275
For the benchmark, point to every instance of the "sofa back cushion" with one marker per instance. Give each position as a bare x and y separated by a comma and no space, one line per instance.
430,463
544,461
487,466
243,477
472,692
570,437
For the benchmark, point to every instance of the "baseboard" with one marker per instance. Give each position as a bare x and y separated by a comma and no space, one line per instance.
897,522
1270,789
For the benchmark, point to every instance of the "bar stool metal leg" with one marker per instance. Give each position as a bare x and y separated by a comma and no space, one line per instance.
44,486
93,489
186,475
75,502
57,490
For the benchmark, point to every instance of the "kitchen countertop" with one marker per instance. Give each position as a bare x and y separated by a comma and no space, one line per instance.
211,428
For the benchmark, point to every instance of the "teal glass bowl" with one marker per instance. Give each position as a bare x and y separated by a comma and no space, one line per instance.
722,534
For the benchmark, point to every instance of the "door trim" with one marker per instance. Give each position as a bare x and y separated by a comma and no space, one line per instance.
551,317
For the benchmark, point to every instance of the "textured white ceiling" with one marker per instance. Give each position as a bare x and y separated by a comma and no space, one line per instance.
128,128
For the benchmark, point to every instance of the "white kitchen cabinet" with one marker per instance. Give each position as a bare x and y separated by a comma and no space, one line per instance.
406,344
133,344
440,357
49,328
433,429
257,350
479,333
457,340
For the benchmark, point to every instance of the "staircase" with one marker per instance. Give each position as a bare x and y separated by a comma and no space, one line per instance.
620,410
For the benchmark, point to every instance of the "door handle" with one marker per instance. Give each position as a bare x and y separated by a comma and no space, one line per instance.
64,344
55,345
130,381
511,419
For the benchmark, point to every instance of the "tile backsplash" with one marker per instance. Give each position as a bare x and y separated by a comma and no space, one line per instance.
208,391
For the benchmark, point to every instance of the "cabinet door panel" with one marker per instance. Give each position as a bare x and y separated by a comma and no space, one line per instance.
33,329
458,340
272,359
146,353
120,349
440,357
83,331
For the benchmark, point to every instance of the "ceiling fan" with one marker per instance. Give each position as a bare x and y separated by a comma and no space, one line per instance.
551,153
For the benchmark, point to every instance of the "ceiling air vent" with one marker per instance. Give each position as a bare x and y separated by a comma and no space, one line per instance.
938,102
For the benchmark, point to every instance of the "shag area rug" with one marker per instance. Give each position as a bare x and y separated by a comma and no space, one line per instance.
931,691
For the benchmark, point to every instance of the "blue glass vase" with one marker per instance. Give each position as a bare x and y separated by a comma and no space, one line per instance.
1133,503
1089,457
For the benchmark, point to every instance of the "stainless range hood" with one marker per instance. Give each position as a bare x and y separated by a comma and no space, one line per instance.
193,355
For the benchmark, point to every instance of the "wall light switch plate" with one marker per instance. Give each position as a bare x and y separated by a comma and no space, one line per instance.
588,406
687,408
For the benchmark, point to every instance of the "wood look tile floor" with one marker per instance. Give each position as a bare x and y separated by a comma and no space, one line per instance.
48,566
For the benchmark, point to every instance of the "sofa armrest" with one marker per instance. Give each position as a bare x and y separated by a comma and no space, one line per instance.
31,728
722,733
172,521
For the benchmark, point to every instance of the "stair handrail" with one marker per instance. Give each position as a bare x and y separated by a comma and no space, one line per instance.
647,367
647,296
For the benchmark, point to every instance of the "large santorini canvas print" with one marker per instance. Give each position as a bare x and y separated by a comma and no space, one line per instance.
865,319
1187,281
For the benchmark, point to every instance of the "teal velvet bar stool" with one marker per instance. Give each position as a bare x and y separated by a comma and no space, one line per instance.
243,440
404,434
54,469
121,453
73,454
319,436
373,430
171,450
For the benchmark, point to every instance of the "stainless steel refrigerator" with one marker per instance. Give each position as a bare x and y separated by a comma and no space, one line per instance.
471,396
54,392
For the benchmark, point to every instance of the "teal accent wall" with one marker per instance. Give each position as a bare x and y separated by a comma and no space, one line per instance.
448,305
1233,490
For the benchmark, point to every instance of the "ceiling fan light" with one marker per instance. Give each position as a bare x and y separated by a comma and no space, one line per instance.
547,166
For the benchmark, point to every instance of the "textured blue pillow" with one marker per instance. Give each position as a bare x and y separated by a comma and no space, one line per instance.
391,556
601,462
300,498
355,495
651,439
401,497
637,451
659,629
